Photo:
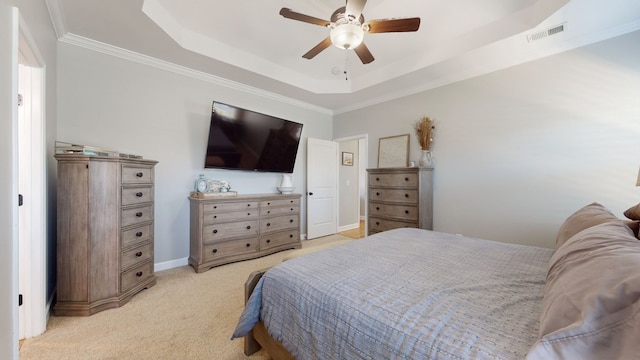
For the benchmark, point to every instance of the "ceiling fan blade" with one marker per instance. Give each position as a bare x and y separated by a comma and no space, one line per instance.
393,25
318,48
364,54
290,14
354,8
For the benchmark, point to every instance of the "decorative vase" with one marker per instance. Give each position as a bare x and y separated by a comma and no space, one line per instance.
426,159
286,186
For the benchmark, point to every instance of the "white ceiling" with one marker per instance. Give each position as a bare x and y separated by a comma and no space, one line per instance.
247,44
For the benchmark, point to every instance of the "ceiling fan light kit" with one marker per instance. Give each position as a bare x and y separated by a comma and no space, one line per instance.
348,27
347,36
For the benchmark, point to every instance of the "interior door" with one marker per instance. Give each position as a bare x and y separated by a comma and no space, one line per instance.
322,188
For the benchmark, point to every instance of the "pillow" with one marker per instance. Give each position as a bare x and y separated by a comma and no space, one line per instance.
635,227
591,300
588,216
633,212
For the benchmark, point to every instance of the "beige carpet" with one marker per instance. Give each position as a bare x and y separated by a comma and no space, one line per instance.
184,316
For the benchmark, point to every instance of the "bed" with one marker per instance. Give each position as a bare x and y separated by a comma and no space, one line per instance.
419,294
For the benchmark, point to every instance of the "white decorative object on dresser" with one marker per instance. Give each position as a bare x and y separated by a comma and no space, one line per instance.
228,229
400,197
105,232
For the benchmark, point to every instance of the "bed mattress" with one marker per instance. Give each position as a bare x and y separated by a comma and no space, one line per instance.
404,294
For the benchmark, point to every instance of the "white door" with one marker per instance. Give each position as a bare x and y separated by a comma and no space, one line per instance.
322,188
32,315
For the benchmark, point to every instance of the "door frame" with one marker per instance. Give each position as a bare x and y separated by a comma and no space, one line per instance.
363,164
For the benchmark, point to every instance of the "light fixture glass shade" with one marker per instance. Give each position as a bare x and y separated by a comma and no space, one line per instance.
347,36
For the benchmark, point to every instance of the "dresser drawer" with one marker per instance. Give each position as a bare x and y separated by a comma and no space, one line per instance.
135,276
404,212
279,238
279,210
230,248
279,223
137,215
137,235
408,180
137,195
221,232
269,204
135,256
136,174
404,196
230,206
214,218
379,224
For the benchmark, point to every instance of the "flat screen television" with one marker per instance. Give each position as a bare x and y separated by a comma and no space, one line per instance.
241,139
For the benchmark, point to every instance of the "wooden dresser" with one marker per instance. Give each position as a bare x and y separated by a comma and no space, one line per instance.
228,229
105,232
400,197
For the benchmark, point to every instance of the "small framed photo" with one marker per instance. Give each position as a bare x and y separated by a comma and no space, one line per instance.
347,158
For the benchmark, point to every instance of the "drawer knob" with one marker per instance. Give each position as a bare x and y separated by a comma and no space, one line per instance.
139,194
215,231
406,195
291,209
268,203
139,214
268,241
139,273
215,206
139,253
139,234
248,227
378,208
214,251
215,216
290,220
377,194
139,174
291,201
406,179
377,179
248,214
248,245
290,235
268,224
269,212
406,211
377,222
248,204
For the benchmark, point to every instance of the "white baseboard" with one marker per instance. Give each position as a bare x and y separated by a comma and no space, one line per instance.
170,264
348,227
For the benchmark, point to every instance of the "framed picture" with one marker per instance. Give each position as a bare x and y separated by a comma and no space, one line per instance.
393,151
347,158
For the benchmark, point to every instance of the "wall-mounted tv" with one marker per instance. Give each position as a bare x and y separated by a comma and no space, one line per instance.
241,139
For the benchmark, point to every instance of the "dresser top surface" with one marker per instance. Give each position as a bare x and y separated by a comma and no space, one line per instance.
242,197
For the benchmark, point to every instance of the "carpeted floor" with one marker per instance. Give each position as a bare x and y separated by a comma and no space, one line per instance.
184,316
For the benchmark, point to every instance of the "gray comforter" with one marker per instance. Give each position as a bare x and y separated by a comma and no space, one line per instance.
404,294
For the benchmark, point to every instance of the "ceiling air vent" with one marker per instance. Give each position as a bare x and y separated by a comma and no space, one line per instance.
547,32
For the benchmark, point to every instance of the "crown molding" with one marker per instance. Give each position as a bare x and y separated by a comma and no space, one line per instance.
57,17
121,53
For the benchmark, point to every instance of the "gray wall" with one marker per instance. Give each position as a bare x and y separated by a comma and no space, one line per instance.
518,150
135,108
35,18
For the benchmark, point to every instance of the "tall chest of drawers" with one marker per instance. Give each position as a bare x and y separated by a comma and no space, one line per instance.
228,229
105,232
400,197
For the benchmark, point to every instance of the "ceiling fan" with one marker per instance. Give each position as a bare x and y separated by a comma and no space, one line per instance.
348,27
